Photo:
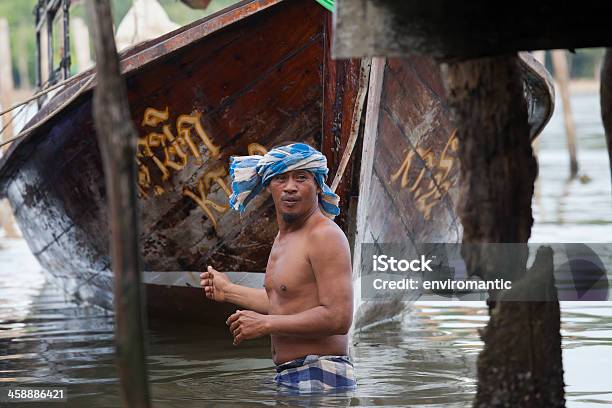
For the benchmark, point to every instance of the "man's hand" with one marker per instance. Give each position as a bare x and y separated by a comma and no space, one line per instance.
246,325
216,284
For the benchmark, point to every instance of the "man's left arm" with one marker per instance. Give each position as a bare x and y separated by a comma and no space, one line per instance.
330,259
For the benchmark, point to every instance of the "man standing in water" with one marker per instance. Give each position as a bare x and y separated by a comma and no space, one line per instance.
306,305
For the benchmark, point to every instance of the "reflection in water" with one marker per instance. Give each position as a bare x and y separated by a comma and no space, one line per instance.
579,209
562,198
586,328
429,358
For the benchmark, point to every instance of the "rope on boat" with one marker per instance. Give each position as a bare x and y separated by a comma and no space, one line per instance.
23,105
11,120
38,95
25,132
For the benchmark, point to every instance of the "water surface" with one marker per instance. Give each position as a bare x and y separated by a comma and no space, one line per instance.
428,358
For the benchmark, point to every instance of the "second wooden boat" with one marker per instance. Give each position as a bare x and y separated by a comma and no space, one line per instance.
248,78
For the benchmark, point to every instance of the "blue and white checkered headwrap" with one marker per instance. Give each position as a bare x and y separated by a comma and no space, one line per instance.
251,174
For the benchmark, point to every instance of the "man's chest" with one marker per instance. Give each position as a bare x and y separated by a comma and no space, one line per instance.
288,269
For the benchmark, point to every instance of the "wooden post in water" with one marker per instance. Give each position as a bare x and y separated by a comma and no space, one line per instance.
80,36
559,60
520,365
6,80
117,140
521,362
6,99
498,168
540,56
606,100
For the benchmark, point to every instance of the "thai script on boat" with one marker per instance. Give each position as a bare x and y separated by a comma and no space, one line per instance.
176,147
427,190
217,175
176,150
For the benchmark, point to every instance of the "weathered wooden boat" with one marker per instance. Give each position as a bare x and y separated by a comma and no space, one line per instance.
409,167
245,79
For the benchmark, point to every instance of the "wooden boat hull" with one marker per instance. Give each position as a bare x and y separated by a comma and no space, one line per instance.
243,87
242,81
410,168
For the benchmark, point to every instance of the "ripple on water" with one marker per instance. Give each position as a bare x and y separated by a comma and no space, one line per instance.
429,358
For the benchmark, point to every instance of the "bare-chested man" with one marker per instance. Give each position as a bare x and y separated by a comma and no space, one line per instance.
306,305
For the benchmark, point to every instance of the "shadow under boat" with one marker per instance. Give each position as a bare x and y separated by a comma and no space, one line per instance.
239,82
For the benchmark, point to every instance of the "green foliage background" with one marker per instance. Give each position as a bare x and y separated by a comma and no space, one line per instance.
20,16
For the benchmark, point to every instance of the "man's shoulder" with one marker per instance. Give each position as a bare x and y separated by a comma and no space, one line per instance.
328,247
325,232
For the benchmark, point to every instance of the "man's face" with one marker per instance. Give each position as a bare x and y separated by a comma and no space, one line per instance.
295,193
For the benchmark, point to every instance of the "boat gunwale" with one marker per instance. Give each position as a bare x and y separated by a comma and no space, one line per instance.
532,69
131,60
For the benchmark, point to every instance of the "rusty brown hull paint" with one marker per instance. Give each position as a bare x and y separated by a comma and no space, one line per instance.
132,60
56,181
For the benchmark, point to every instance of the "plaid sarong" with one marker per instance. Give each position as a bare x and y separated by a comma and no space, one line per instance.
316,373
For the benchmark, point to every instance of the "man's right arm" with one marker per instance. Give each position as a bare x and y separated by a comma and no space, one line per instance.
217,286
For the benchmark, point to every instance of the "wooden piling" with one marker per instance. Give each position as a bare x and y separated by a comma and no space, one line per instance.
117,140
521,365
6,80
540,56
6,99
498,168
497,177
7,221
43,64
559,60
80,36
606,100
497,165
